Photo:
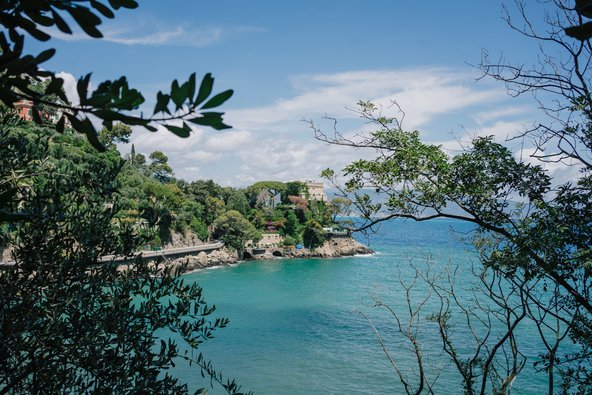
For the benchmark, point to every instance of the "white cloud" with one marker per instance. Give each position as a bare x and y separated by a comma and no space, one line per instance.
178,36
504,130
70,87
232,141
154,32
502,113
423,93
201,156
272,143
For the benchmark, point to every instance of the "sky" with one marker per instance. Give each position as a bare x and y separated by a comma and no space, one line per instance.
291,62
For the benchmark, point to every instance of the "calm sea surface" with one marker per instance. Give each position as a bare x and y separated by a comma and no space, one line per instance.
302,326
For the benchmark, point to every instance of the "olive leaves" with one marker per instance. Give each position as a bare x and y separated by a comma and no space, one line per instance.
186,105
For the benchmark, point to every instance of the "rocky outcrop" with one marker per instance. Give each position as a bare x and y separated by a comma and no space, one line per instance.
202,260
178,240
333,248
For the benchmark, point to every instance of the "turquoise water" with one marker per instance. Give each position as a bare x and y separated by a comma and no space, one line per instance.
296,325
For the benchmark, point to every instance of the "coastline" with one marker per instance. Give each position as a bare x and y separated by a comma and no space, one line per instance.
333,248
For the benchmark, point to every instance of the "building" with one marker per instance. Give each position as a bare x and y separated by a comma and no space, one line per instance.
315,191
24,109
268,240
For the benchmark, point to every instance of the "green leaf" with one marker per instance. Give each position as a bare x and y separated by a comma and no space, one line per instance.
178,93
39,18
218,99
45,55
55,87
183,132
38,34
213,122
86,20
584,8
60,125
61,23
130,4
85,126
191,87
82,88
205,88
36,117
162,103
102,9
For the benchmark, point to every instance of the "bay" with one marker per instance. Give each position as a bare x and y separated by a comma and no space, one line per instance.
305,326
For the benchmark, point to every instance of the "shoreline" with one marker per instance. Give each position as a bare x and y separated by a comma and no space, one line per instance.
333,248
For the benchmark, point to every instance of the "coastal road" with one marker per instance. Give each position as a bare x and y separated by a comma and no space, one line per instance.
147,254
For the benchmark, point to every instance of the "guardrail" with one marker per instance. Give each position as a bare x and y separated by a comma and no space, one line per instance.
145,254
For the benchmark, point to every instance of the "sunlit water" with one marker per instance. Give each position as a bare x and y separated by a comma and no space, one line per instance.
296,326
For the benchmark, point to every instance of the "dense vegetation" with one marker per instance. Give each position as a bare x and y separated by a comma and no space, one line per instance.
71,322
151,194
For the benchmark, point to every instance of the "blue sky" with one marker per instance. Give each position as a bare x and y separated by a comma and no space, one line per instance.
289,61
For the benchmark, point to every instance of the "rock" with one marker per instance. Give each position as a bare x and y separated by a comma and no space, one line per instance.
202,258
179,240
335,247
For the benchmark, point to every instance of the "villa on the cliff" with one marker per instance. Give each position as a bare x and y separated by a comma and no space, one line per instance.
315,191
25,108
268,240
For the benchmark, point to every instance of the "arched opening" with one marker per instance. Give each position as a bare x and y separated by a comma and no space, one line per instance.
247,255
277,253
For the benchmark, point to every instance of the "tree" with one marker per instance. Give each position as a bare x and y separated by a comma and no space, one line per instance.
159,206
111,101
339,207
213,208
293,188
73,320
236,200
532,230
265,193
235,230
119,133
159,167
313,234
292,225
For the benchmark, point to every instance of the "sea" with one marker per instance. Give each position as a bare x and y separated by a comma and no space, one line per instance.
338,326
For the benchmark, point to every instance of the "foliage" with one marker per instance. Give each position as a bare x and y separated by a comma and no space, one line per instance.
293,188
313,235
292,227
118,133
236,200
235,230
112,101
265,193
159,167
78,323
340,207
